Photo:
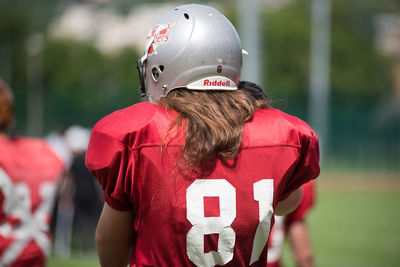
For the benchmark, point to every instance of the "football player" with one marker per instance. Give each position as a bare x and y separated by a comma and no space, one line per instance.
29,174
194,175
294,226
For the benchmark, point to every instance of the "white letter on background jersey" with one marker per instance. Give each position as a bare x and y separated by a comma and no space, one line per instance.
277,239
33,226
210,225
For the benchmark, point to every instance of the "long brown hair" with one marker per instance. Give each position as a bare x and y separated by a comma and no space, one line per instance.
214,121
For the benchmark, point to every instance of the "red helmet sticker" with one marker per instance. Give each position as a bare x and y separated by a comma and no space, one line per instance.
159,34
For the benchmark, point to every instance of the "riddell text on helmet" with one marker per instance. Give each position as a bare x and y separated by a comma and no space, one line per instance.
216,83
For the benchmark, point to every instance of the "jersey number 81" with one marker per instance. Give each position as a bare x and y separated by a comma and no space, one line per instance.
201,225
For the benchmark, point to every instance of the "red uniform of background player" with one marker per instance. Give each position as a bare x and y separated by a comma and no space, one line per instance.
294,226
195,179
29,172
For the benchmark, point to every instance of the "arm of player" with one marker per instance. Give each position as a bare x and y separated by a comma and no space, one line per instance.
301,245
290,203
114,237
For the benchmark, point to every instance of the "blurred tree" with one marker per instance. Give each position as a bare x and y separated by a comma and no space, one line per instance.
358,72
360,76
14,29
82,85
19,19
287,37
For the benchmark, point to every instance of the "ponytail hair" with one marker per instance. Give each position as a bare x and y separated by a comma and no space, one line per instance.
214,121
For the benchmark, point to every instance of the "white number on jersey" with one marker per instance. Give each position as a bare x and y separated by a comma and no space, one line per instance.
33,225
201,225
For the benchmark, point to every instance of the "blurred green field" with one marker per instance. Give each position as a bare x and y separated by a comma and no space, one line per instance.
75,261
355,223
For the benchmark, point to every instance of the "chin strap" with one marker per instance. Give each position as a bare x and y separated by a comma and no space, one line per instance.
142,88
140,67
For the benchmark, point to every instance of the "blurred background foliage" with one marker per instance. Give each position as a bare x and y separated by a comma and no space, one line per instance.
85,85
81,84
361,79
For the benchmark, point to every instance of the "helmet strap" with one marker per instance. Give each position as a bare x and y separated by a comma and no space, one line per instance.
142,88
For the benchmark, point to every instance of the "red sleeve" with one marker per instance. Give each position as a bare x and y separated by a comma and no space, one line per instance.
108,159
110,154
307,167
307,202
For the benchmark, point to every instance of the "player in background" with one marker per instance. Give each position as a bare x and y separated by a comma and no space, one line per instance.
29,174
294,226
88,198
194,175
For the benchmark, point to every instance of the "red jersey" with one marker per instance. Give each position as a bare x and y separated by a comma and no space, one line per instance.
222,218
282,224
29,170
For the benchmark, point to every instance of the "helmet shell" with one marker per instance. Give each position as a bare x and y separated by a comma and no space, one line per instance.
192,46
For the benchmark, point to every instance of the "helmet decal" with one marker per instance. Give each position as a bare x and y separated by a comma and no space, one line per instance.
159,34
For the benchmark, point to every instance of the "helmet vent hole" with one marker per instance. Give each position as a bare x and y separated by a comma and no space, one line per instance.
161,67
155,74
176,9
186,16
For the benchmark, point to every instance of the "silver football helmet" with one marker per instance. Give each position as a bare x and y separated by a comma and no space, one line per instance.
192,46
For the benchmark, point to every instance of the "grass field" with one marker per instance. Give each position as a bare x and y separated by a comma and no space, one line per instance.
356,223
